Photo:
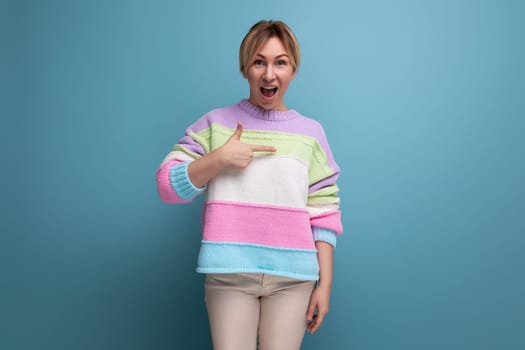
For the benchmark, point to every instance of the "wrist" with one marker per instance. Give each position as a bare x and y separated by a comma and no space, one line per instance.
324,285
218,159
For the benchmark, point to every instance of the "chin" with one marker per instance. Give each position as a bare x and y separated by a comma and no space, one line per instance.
273,105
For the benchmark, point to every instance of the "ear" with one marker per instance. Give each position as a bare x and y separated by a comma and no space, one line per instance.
294,74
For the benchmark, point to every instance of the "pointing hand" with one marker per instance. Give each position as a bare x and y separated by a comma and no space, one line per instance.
237,154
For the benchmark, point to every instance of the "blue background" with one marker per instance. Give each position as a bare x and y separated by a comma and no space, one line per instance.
423,104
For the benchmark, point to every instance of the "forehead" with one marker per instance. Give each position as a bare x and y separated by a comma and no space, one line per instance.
272,46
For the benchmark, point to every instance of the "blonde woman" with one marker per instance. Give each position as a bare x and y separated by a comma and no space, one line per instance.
271,214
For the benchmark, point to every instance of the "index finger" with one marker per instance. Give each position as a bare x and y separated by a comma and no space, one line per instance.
261,148
317,322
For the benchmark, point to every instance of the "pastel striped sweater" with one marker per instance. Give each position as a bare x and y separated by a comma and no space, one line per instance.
264,218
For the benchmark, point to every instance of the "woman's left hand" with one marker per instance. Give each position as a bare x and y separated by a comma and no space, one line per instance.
318,308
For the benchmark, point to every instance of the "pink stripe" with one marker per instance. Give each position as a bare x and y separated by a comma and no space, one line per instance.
164,187
257,224
330,220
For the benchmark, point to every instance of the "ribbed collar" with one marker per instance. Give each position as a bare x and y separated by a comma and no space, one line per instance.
265,114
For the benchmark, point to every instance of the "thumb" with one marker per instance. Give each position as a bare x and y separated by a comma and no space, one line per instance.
238,132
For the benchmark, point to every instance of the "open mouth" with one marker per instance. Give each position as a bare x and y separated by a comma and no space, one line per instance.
268,92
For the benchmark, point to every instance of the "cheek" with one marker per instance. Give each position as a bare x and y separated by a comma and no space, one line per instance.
286,79
252,77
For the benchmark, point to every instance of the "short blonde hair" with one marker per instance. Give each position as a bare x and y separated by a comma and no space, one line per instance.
257,36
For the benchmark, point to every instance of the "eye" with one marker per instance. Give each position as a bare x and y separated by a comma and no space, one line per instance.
281,63
258,62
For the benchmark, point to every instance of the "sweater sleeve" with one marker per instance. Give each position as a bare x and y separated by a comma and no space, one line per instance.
173,182
323,199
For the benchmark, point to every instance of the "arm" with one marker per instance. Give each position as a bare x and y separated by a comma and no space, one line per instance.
181,177
320,299
325,218
202,170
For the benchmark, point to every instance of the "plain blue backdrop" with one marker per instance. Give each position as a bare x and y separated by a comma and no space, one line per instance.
423,104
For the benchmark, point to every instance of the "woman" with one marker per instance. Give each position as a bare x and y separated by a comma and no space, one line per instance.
271,214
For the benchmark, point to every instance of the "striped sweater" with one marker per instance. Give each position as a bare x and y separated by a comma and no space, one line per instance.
264,218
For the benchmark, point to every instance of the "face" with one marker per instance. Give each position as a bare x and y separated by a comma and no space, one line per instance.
269,74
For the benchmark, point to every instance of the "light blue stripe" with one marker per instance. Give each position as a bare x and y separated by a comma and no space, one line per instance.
261,246
325,235
233,257
181,183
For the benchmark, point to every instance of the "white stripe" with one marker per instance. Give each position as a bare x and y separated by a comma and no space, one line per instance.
176,155
270,180
319,209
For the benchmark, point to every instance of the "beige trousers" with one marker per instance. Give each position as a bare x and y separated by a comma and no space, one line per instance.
244,307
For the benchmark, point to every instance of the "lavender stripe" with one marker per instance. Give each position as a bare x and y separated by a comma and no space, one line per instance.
192,145
324,183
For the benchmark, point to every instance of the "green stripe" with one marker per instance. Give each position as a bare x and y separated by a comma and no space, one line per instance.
202,138
325,195
319,168
181,148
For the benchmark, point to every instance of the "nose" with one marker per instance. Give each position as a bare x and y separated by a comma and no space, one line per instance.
268,73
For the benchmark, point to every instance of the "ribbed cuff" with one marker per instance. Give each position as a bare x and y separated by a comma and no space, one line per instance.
181,183
325,235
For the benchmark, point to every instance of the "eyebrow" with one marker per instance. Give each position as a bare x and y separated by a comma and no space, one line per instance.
278,56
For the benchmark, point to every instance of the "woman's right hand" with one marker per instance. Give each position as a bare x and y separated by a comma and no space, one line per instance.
233,154
237,154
